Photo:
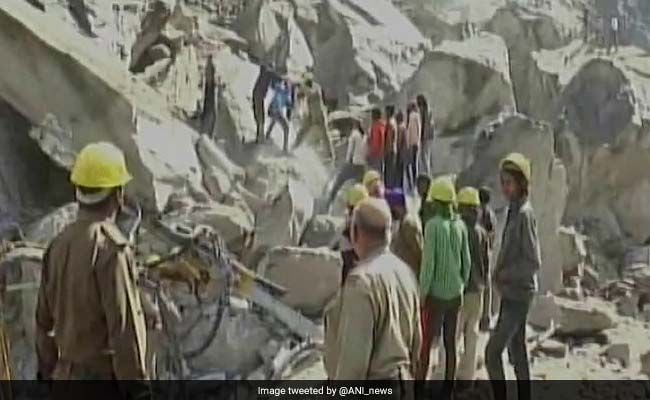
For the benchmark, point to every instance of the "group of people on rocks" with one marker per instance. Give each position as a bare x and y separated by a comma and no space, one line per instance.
397,144
410,280
284,96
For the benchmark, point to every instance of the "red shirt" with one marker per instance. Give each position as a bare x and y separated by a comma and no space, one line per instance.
377,139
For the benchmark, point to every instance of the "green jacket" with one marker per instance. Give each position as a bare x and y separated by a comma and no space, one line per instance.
446,260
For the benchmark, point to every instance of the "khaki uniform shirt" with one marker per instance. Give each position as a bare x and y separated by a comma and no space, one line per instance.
407,243
373,327
89,318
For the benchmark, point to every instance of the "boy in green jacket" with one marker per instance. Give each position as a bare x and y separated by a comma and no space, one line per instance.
444,272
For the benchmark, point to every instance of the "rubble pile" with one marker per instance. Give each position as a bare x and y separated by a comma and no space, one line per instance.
235,244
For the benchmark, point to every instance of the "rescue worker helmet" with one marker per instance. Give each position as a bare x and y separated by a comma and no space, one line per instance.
356,194
371,177
469,196
100,166
517,162
442,189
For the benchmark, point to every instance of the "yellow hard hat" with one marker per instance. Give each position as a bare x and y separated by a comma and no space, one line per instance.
469,196
356,194
442,189
371,177
520,162
101,166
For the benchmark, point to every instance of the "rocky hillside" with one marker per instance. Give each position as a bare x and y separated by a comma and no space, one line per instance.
501,75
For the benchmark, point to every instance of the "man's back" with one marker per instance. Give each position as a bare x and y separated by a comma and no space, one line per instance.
89,300
378,322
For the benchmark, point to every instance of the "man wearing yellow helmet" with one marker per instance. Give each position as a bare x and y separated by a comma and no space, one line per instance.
89,317
473,310
444,272
373,183
515,276
355,195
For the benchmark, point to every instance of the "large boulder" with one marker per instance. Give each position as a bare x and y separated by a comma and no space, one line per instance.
311,276
95,100
363,49
274,36
321,231
473,74
548,188
573,318
29,181
233,224
43,230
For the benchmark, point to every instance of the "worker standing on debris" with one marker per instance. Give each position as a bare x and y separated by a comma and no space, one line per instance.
515,277
427,135
407,238
488,222
314,124
280,104
261,88
422,186
390,148
376,141
472,311
445,269
375,317
356,194
355,165
89,318
414,136
373,183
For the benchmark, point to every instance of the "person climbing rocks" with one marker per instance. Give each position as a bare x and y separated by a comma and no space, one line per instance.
445,270
376,141
90,323
414,136
373,326
314,124
407,232
208,111
355,158
427,136
401,149
613,34
515,277
355,195
373,183
390,148
473,310
264,80
280,104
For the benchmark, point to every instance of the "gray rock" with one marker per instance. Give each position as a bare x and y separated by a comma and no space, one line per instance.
576,318
645,363
312,276
619,352
159,148
321,231
553,348
574,252
46,228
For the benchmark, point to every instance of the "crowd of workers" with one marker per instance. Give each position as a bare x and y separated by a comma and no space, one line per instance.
411,280
408,279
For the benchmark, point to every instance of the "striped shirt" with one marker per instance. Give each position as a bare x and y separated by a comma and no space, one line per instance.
446,260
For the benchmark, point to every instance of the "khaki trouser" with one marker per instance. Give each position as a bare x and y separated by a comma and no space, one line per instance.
470,316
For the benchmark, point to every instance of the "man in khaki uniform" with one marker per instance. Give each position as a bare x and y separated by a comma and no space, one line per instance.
373,328
89,319
314,124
